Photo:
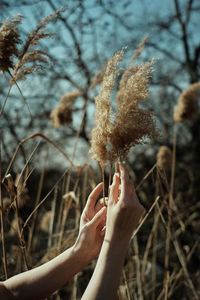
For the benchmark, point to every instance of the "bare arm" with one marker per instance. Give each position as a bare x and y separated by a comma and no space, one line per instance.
123,215
42,281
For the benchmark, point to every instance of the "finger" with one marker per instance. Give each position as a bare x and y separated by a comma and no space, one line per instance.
93,196
124,181
114,189
101,203
103,231
98,218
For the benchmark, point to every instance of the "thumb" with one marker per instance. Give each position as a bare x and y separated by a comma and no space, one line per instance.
99,217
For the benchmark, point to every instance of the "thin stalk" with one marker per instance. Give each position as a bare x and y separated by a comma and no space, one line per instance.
53,209
145,177
41,202
138,271
3,227
30,238
103,179
145,217
126,284
61,209
168,235
25,101
67,207
20,232
38,134
154,257
3,106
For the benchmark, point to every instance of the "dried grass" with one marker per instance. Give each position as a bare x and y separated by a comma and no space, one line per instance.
22,191
29,55
164,157
114,135
9,42
62,114
100,134
187,106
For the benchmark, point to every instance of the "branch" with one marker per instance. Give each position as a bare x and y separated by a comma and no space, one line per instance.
184,32
80,61
164,51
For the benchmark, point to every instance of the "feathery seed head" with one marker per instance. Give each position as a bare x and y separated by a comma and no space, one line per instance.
9,41
113,136
187,106
62,114
103,114
29,55
164,157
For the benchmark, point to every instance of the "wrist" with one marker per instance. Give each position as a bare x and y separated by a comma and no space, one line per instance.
81,252
118,238
116,246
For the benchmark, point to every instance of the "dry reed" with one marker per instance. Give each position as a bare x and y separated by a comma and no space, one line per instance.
187,106
114,135
9,42
164,157
22,191
62,114
29,55
100,134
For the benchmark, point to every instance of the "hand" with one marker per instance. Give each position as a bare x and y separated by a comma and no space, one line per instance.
92,226
124,209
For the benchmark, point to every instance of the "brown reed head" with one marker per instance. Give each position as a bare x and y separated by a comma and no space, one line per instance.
164,157
9,41
100,134
62,114
187,106
114,135
29,59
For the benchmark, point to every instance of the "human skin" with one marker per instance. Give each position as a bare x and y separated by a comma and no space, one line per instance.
42,281
104,230
123,215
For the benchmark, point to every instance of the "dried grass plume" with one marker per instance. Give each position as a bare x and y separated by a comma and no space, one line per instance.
187,106
9,41
100,134
164,157
29,59
62,114
114,135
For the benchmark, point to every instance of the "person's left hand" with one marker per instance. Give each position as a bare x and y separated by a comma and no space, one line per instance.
92,225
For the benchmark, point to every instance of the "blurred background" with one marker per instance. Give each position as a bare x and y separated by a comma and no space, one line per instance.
86,34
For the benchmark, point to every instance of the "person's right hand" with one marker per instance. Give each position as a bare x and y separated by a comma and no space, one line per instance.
124,209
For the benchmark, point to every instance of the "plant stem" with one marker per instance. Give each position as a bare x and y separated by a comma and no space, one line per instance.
3,227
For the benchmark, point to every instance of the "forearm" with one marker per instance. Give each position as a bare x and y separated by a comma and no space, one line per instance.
106,276
42,281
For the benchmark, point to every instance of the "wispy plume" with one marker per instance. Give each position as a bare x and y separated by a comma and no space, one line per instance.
114,135
62,114
29,59
9,42
164,157
100,134
187,106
